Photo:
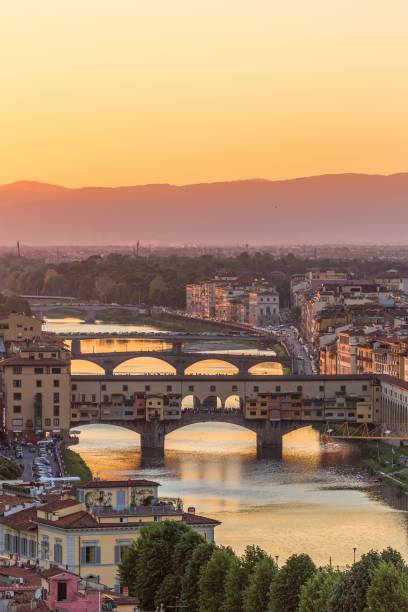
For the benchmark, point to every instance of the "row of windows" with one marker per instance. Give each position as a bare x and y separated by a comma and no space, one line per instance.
29,423
19,370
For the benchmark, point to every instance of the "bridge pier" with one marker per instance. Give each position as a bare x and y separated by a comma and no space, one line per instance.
152,436
269,435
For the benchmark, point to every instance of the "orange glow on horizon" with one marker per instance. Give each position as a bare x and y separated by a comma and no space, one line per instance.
107,93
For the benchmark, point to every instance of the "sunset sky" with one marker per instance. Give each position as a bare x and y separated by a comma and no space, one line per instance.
111,92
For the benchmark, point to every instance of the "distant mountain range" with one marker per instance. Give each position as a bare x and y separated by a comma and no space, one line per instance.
348,208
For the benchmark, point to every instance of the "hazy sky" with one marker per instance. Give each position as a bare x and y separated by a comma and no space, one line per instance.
135,91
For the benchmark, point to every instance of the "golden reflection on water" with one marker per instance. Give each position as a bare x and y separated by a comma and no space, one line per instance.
310,501
123,345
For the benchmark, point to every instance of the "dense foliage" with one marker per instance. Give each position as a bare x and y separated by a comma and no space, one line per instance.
9,469
74,465
13,303
170,564
124,279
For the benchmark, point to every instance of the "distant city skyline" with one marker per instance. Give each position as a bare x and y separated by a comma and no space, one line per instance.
96,93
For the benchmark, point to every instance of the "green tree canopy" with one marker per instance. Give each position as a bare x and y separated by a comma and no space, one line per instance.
211,590
251,556
350,593
150,560
235,584
285,590
190,581
256,596
316,592
388,591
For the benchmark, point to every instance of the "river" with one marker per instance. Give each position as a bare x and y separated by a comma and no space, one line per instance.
314,499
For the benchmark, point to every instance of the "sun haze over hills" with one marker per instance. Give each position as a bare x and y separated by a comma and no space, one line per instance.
348,208
120,93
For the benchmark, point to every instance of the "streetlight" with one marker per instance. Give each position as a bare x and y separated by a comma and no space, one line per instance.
354,553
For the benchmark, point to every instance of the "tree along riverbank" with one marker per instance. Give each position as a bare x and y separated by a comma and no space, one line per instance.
169,566
386,461
9,469
74,465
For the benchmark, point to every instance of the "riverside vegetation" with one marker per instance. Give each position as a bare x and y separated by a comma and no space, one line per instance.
170,564
154,279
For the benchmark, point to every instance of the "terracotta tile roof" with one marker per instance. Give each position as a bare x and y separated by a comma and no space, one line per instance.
58,504
99,484
77,520
31,577
7,500
21,361
24,519
195,519
55,571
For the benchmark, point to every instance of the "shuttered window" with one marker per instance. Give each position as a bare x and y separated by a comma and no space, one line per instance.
90,554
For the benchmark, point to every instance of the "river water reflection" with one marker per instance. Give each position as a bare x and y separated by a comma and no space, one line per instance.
313,499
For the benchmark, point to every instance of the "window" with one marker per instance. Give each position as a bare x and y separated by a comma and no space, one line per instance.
32,549
56,398
120,549
234,387
74,387
61,589
212,388
256,389
58,553
278,388
38,370
103,387
321,388
17,409
17,396
45,548
365,387
38,383
90,554
56,422
343,388
17,370
124,388
299,388
93,397
147,387
17,422
106,399
169,388
56,382
47,422
56,411
23,547
16,383
191,388
56,370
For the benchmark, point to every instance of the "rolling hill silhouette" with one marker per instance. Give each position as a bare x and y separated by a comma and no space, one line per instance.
349,208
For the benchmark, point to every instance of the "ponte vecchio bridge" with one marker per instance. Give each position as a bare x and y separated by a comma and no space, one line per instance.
172,353
269,406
